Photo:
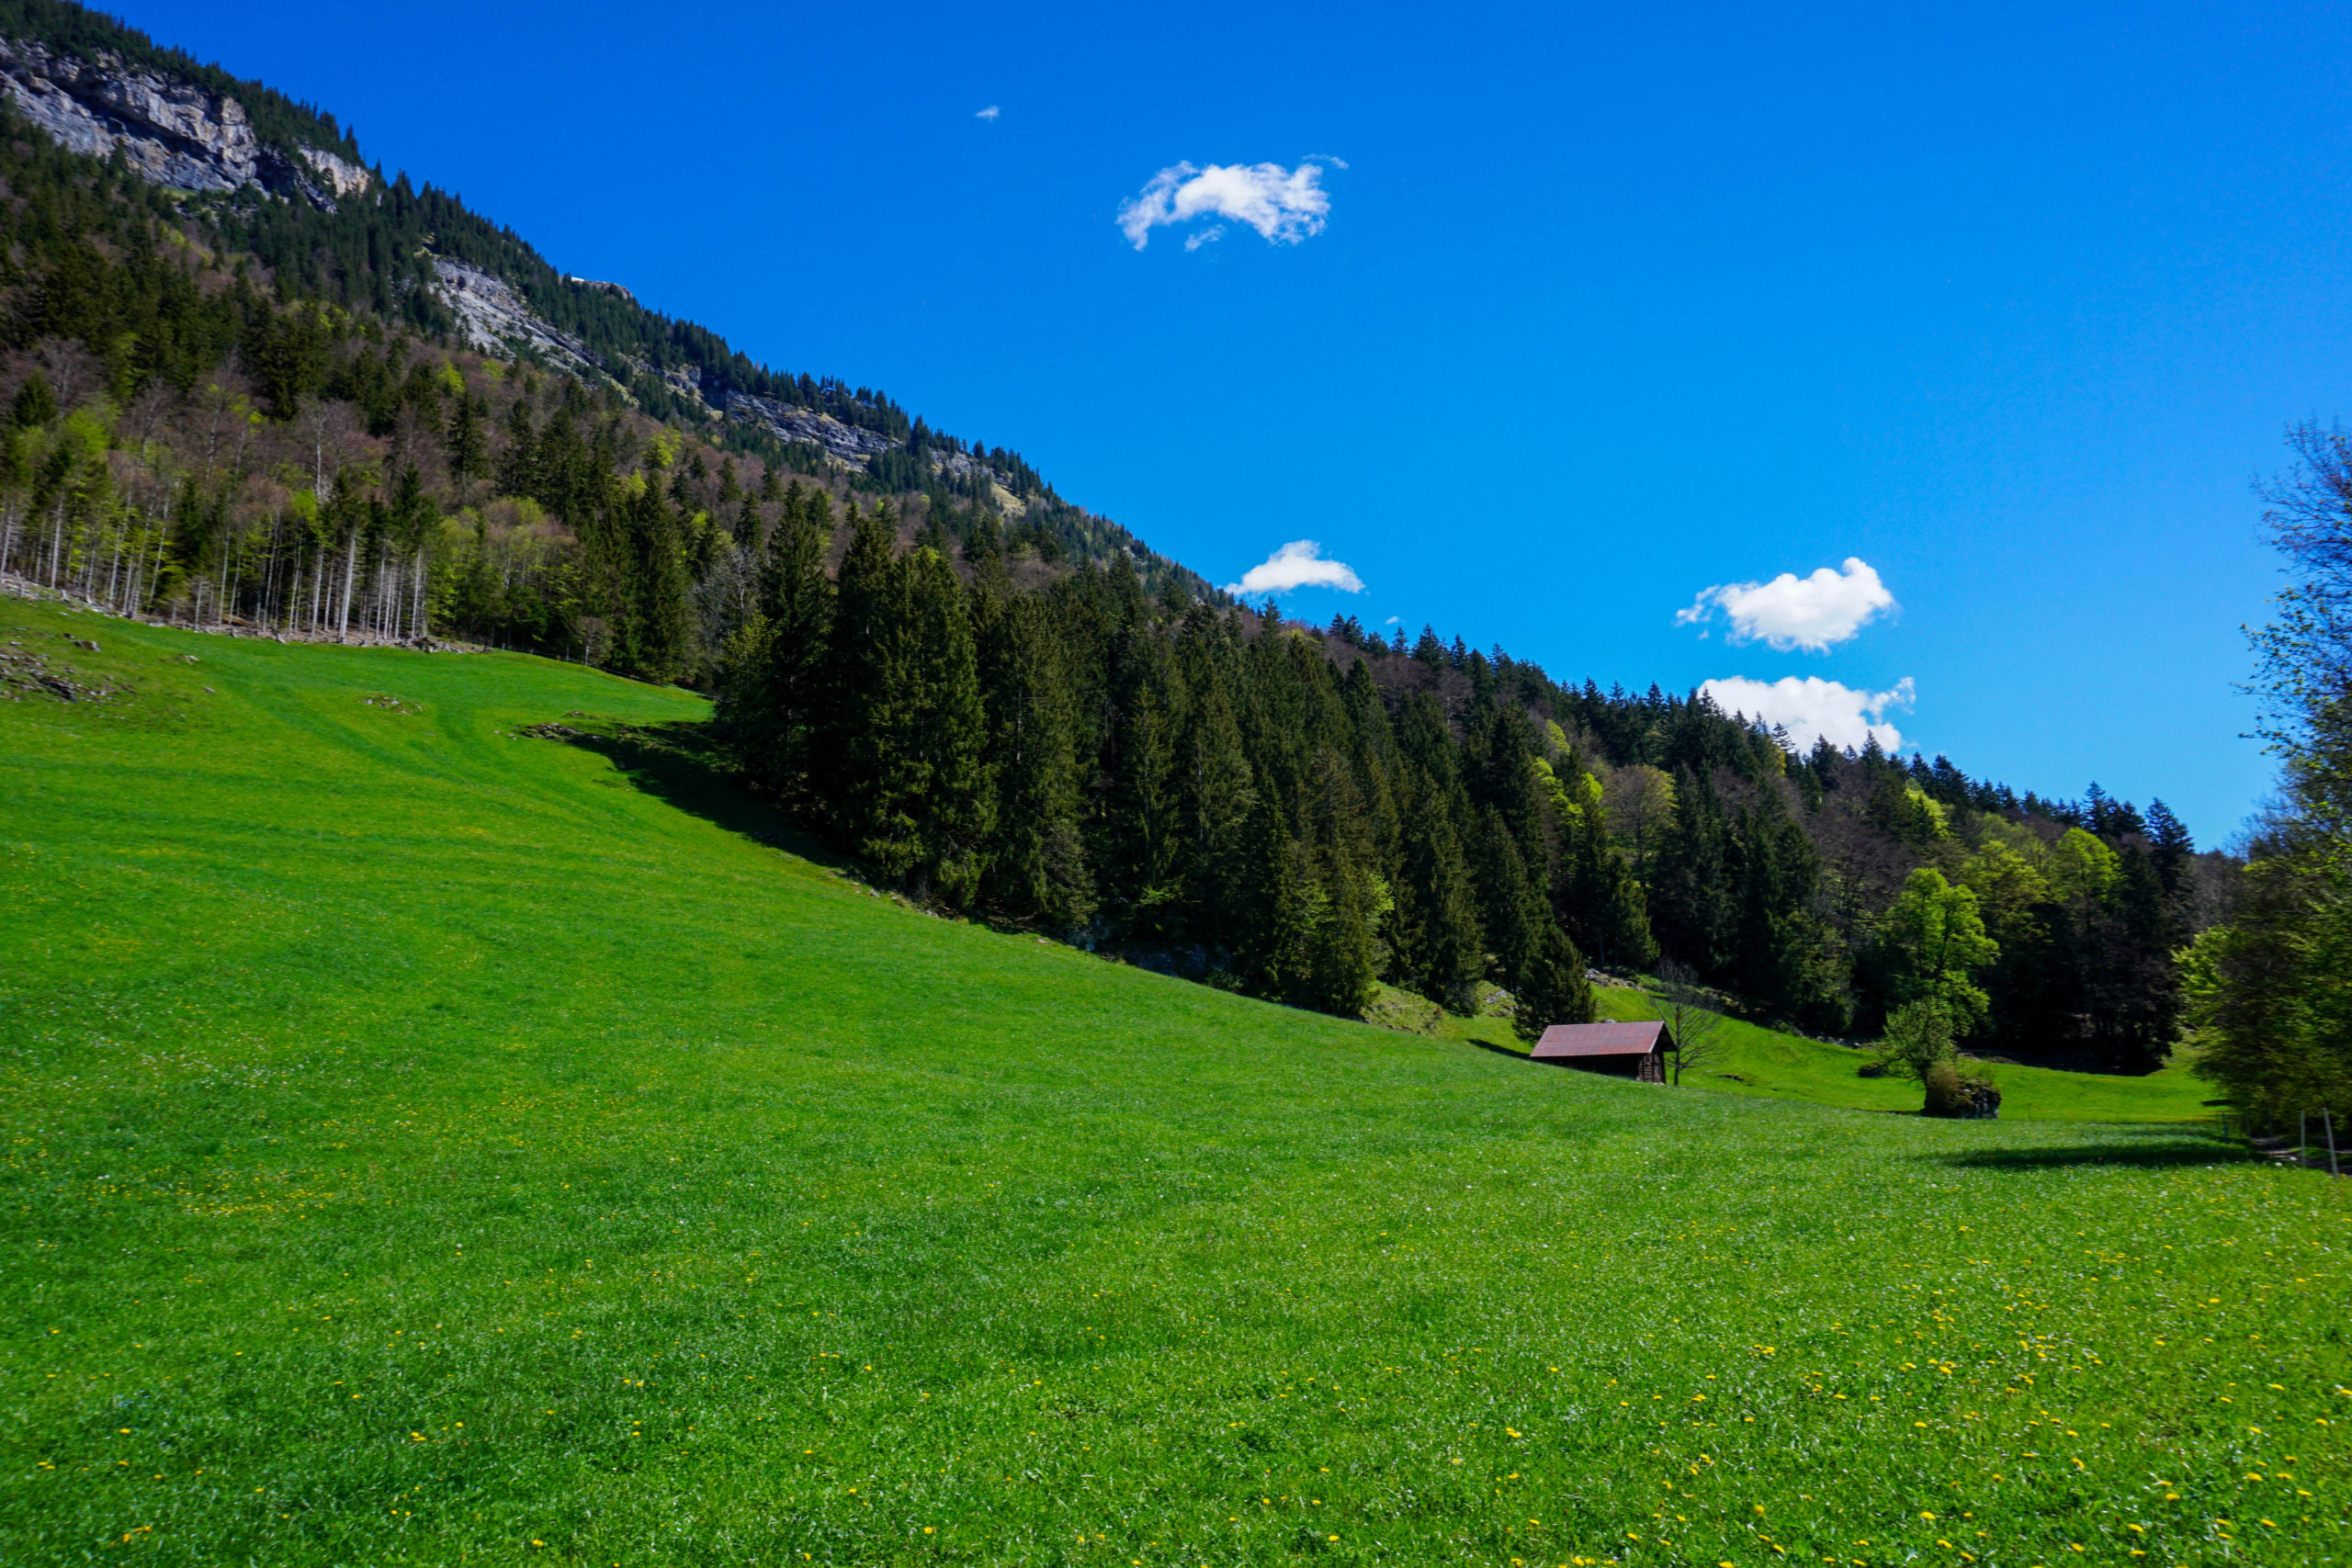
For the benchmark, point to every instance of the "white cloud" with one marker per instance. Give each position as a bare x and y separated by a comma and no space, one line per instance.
989,113
1813,706
1811,612
1299,564
1285,205
1208,236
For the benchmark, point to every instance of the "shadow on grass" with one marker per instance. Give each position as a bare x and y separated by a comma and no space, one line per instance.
1519,1055
682,764
2156,1152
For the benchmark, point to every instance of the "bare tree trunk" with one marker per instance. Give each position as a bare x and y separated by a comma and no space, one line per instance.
350,567
57,544
163,538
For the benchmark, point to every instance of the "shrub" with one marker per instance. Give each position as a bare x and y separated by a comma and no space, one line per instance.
1952,1092
1947,1090
1918,1037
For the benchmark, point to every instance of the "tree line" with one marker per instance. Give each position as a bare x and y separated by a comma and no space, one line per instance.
1303,814
1205,785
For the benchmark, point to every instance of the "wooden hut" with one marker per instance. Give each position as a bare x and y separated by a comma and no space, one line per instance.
1635,1051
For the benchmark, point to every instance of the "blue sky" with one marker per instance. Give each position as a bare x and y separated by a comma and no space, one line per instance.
1606,308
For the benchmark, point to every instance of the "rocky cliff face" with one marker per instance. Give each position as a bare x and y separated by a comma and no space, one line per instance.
787,422
172,133
177,134
496,319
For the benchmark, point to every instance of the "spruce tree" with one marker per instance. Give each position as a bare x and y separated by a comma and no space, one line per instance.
1038,868
1693,905
940,782
465,442
1551,986
1510,910
774,703
517,458
858,684
1340,964
659,635
1216,801
1441,950
1139,821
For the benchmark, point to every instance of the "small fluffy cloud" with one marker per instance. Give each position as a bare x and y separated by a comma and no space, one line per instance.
1811,612
1285,205
1299,564
989,113
1813,706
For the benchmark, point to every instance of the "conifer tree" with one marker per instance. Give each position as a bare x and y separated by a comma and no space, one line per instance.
466,443
658,630
1339,964
1441,950
1599,904
940,782
1216,801
1692,905
517,458
1551,986
1038,868
774,704
1275,902
859,683
1512,912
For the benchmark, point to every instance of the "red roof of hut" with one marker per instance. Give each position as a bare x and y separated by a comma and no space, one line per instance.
1602,1040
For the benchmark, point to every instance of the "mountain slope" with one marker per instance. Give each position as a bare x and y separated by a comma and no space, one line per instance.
282,181
429,1138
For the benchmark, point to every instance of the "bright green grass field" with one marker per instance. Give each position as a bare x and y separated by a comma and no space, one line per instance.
425,1144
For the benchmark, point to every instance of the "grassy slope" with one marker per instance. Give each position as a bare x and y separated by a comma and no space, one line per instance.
1770,1064
425,1143
1760,1061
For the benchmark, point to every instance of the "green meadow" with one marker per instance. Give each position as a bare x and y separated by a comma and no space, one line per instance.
428,1142
1767,1062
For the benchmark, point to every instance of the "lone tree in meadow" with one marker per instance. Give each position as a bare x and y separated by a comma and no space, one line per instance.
1697,1030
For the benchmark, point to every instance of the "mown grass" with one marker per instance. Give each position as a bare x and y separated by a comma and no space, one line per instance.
427,1145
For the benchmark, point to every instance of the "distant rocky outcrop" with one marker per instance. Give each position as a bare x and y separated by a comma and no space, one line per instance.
787,422
599,286
185,136
494,319
172,133
342,177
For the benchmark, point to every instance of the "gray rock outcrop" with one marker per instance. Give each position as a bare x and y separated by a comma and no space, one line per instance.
495,319
171,133
787,422
599,286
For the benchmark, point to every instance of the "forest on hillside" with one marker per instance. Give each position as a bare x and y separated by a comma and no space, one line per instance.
1001,703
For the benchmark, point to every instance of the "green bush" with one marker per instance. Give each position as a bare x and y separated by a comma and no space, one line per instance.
1947,1090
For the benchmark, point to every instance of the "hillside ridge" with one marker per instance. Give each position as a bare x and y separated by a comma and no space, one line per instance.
101,88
